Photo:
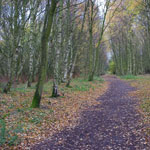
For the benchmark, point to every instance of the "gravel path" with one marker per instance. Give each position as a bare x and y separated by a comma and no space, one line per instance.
113,125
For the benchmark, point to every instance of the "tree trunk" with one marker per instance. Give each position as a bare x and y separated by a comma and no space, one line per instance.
44,45
72,65
67,43
14,49
32,42
57,51
91,20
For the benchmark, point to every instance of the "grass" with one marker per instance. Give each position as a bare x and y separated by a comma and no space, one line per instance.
22,88
130,77
81,84
77,84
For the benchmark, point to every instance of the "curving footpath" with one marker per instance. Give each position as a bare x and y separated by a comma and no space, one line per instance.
113,125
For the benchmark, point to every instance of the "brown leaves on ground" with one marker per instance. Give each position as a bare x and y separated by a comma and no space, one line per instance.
55,114
142,92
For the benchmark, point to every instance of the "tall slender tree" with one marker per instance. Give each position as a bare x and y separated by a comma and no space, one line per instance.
49,14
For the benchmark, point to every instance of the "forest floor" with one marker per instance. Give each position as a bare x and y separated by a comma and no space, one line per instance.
116,123
21,127
105,114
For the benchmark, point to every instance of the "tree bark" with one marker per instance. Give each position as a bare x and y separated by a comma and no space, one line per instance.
57,51
49,14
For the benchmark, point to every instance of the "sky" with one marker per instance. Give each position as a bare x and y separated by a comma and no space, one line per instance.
101,4
100,1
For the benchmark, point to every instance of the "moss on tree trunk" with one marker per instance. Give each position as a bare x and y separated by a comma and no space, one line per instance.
44,44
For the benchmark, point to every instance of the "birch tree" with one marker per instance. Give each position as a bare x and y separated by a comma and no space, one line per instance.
58,49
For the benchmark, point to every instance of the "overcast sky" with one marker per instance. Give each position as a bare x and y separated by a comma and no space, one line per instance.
101,4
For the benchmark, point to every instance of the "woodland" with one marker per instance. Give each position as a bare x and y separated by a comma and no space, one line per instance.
53,54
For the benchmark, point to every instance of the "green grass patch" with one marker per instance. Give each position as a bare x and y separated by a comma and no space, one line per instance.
22,88
82,84
99,79
77,84
130,77
82,87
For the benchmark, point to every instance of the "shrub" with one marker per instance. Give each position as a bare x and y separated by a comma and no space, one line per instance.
112,67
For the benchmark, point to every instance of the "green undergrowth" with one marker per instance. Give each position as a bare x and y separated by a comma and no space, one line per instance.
22,88
77,84
81,84
9,136
130,77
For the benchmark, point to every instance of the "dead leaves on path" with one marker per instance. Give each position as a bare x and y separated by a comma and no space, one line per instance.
35,125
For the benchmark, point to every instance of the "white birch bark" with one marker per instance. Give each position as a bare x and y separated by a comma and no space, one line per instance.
67,43
58,49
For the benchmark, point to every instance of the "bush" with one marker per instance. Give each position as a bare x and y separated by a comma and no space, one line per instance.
112,67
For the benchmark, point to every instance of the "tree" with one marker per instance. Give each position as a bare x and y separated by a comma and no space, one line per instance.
49,14
33,47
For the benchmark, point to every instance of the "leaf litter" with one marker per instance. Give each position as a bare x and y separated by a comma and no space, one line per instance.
31,126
